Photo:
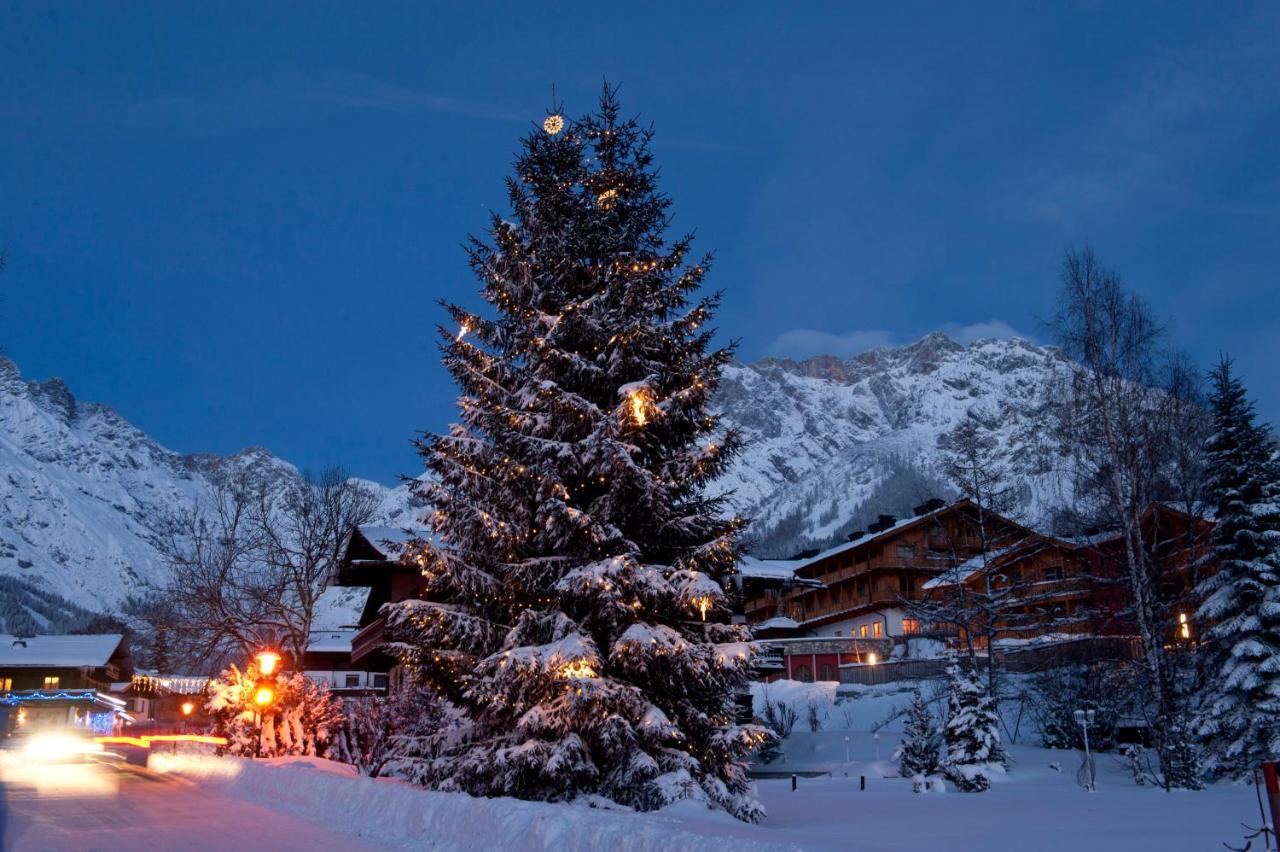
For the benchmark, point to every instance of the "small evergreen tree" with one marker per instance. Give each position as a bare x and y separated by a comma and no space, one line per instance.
918,752
576,612
972,733
1239,653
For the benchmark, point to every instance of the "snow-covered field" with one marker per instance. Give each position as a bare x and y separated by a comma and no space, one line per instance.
1036,805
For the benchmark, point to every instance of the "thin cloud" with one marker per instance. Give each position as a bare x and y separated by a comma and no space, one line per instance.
808,342
967,334
361,91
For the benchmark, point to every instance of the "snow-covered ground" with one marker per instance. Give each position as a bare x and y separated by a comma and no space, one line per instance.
1036,805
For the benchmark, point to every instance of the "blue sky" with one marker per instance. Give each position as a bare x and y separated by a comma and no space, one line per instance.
232,221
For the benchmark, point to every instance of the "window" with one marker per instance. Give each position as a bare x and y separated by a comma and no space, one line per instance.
804,674
906,551
875,630
862,631
906,585
379,681
910,626
51,682
1012,576
828,672
351,679
1053,573
6,684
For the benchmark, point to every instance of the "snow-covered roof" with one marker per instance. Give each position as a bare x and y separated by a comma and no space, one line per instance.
61,651
390,540
778,622
867,539
962,572
768,569
339,608
331,640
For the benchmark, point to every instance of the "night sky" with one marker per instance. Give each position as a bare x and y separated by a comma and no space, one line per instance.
232,221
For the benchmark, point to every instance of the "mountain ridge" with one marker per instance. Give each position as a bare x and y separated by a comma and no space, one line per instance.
830,442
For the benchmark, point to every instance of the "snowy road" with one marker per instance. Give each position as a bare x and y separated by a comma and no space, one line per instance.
89,808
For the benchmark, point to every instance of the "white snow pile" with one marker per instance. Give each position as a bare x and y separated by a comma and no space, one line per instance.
404,816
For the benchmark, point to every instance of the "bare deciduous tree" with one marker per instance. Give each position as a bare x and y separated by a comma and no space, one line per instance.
1123,413
247,566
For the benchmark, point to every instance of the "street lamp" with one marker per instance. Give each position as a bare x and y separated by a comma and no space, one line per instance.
187,708
267,661
1085,718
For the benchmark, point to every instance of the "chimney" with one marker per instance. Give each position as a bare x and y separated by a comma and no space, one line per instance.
931,505
882,523
855,535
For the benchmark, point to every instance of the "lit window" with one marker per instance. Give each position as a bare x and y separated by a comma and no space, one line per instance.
1184,626
51,682
875,630
910,626
862,631
6,684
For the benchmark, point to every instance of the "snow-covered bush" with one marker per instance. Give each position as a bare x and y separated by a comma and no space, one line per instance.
300,719
1056,694
380,730
972,733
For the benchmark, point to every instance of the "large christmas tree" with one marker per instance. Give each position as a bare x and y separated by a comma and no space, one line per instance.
576,612
1239,655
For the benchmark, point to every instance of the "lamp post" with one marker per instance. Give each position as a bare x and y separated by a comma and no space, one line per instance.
1085,718
264,691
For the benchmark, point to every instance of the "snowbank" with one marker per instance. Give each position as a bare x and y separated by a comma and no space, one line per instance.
404,816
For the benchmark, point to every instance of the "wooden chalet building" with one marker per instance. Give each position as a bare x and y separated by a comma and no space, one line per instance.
347,654
875,587
63,680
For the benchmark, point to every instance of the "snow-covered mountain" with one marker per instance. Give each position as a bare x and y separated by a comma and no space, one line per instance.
83,492
832,443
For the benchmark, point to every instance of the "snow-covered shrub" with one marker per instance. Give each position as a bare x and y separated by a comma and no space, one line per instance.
918,752
1056,694
972,733
779,717
814,715
381,730
299,720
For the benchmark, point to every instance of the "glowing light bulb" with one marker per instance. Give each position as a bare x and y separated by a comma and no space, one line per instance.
577,669
638,414
607,198
553,124
703,603
462,332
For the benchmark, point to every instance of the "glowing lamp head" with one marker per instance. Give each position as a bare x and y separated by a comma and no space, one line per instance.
264,696
871,659
267,661
188,708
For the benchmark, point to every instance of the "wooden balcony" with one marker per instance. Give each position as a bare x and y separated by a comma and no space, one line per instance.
369,640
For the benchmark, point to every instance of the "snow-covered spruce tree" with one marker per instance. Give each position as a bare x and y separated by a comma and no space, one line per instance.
918,752
972,732
575,611
1239,653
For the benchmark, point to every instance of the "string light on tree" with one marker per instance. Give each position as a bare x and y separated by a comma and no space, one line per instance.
577,669
703,604
553,124
462,331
